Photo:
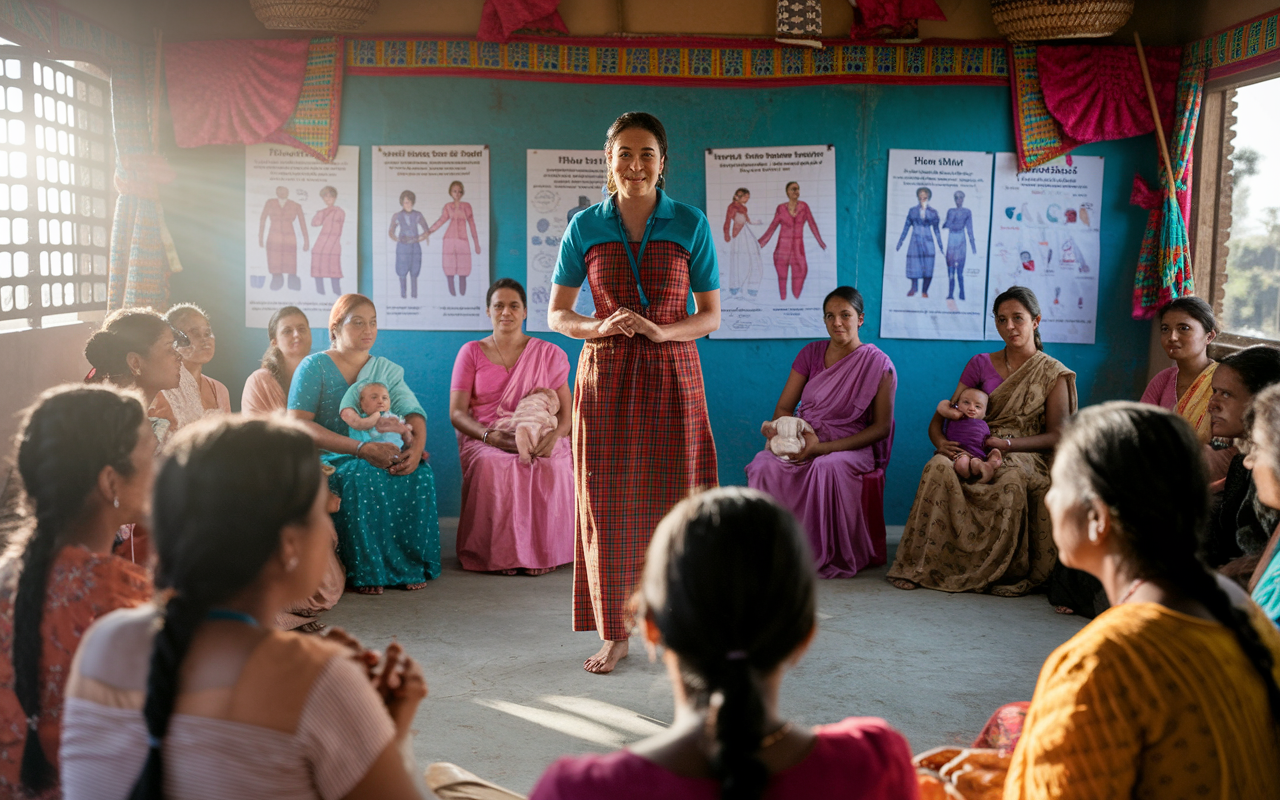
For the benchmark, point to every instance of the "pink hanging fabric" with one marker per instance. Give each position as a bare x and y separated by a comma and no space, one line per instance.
502,18
233,91
891,18
1096,92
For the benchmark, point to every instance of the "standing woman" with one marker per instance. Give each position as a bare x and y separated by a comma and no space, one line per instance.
1187,326
388,531
85,456
267,389
197,394
641,437
791,217
456,250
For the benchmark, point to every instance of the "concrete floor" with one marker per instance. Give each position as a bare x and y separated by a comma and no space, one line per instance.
509,695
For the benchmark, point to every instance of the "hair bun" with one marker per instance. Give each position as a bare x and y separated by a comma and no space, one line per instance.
101,350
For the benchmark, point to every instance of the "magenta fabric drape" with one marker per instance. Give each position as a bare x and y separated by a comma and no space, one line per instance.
1096,92
233,91
501,18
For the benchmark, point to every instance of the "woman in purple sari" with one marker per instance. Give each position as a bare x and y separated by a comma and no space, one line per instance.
845,391
515,516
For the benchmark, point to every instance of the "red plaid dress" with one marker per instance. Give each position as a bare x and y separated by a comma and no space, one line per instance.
641,437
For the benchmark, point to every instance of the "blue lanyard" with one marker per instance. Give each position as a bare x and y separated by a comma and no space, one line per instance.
635,261
229,615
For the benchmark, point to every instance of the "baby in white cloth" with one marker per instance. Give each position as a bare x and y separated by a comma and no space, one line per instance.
534,418
786,436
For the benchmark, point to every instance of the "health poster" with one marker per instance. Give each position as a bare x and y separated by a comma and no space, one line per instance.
1045,236
773,218
935,245
300,230
431,236
561,183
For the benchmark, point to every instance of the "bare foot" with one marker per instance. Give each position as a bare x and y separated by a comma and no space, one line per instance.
537,572
413,587
995,459
368,590
1065,610
603,662
902,583
985,471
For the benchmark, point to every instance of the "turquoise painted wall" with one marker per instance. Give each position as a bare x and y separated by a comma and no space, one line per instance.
204,208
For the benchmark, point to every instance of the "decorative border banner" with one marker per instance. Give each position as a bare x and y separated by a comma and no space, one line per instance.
684,61
1248,45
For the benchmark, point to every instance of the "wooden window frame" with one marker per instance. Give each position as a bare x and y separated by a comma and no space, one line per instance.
1211,197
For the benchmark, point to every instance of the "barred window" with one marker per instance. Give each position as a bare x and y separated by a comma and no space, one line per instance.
55,163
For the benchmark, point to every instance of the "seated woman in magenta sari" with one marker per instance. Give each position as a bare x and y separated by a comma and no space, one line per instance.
514,516
845,390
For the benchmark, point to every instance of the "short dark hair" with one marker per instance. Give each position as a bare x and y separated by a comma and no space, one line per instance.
1195,308
847,293
505,283
1257,366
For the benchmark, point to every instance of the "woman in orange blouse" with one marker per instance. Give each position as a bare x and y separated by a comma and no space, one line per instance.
1172,692
85,458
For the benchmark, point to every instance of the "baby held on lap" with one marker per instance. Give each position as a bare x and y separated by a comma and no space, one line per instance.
534,418
786,436
373,420
963,424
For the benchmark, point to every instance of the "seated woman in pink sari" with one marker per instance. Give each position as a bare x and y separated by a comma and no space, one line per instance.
514,516
845,390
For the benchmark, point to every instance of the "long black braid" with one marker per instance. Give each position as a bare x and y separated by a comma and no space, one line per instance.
221,499
1120,454
69,436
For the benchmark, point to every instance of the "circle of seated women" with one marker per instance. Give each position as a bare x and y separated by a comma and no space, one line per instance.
832,428
988,530
509,400
387,528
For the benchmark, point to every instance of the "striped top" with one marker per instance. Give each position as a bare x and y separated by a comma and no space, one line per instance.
1148,703
301,720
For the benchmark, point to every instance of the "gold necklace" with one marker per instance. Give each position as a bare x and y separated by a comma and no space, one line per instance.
776,736
500,355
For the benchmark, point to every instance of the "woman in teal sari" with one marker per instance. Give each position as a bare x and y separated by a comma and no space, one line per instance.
388,531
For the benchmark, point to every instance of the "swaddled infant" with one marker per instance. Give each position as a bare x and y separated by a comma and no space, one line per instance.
366,408
534,418
786,436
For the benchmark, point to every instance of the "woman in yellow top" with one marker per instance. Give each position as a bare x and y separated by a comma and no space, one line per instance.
1172,692
1187,326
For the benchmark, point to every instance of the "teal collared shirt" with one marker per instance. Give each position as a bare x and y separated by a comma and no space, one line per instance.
672,221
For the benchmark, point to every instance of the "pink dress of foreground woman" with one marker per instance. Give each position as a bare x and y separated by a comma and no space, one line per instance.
513,515
857,759
826,492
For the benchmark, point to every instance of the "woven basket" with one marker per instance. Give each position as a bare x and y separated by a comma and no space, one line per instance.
1029,20
313,15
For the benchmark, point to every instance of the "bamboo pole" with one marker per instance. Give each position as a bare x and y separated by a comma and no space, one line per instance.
1155,112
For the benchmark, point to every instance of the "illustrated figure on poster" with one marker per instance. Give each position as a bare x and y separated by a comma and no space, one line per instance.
586,304
326,256
584,203
404,231
921,221
791,217
746,266
281,244
959,221
456,258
